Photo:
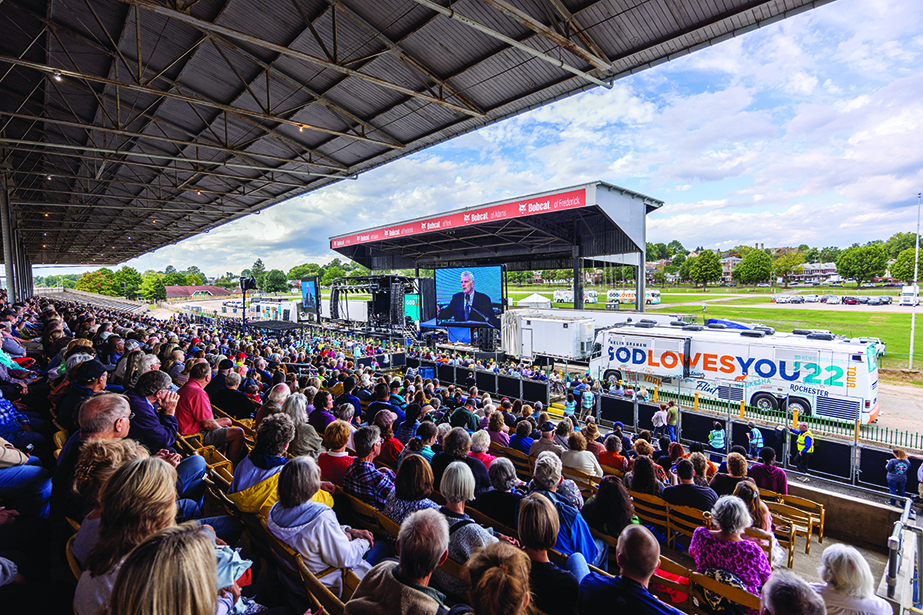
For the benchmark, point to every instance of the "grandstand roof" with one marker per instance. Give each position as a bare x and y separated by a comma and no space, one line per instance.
539,231
132,124
188,291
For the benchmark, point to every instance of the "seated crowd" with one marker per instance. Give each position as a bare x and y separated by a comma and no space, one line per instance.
98,408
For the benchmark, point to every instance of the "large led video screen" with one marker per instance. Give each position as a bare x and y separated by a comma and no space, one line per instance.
310,295
470,296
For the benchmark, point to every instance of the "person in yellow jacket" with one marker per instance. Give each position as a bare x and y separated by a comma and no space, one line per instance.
805,446
256,477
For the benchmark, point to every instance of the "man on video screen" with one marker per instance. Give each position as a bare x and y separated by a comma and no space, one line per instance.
309,296
469,305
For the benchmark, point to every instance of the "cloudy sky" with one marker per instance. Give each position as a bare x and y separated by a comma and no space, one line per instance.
809,130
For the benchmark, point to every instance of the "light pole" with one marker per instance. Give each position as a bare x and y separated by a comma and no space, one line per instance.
916,298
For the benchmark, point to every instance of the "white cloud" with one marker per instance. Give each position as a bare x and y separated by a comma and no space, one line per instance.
805,131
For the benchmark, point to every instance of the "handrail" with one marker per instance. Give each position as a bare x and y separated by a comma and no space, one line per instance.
896,547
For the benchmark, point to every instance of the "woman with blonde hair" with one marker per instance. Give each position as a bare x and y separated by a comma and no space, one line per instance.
137,500
184,557
499,576
848,586
98,461
183,377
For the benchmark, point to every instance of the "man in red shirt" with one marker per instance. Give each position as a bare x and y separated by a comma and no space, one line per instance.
194,415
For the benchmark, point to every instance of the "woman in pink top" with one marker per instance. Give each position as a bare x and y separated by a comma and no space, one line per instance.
725,549
334,462
480,443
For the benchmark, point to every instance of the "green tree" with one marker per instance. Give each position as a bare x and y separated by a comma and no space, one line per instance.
676,247
811,255
275,281
170,269
862,262
902,267
659,277
153,288
900,242
829,254
194,279
755,267
787,265
678,260
68,283
128,282
707,268
194,271
257,268
332,273
548,275
519,277
174,278
685,270
302,271
804,247
101,281
246,273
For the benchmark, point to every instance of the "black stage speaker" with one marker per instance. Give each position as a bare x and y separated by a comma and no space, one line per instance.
397,303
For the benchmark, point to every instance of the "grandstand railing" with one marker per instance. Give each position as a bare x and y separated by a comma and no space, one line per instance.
526,389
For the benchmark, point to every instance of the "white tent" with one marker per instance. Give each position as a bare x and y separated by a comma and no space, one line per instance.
534,301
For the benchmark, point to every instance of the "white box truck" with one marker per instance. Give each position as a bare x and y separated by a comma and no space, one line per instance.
910,295
525,335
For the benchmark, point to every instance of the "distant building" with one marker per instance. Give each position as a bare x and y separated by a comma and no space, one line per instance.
816,272
186,292
728,263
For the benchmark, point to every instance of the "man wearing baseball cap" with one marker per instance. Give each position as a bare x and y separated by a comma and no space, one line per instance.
89,377
219,382
546,442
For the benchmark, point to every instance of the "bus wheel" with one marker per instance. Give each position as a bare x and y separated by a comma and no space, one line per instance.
612,373
801,405
764,402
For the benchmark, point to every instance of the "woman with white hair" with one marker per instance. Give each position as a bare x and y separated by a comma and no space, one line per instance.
480,443
848,587
306,441
312,529
724,548
465,536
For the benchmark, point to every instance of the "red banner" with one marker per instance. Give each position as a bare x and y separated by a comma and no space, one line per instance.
515,209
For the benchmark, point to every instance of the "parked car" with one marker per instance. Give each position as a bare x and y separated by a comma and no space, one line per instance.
832,300
880,346
811,298
782,299
868,285
862,300
796,299
835,285
885,299
850,300
873,300
763,285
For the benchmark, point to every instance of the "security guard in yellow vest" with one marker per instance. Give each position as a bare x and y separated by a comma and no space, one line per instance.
805,447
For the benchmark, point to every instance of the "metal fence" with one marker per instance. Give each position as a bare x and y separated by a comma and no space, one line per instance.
839,453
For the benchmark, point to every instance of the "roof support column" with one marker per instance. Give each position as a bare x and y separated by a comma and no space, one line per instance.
6,235
641,280
578,283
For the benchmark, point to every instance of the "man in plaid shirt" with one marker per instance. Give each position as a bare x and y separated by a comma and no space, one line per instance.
362,479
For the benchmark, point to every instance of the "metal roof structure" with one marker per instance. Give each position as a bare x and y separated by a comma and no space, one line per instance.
548,230
127,125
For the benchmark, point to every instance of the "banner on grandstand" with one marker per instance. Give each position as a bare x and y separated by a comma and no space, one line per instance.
571,199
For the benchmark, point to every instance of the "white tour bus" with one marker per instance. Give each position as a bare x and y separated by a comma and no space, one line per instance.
816,373
627,295
567,296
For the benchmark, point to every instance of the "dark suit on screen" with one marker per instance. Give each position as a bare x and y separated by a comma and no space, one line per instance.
479,303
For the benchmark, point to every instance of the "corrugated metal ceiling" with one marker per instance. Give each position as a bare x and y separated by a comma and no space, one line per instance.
129,125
